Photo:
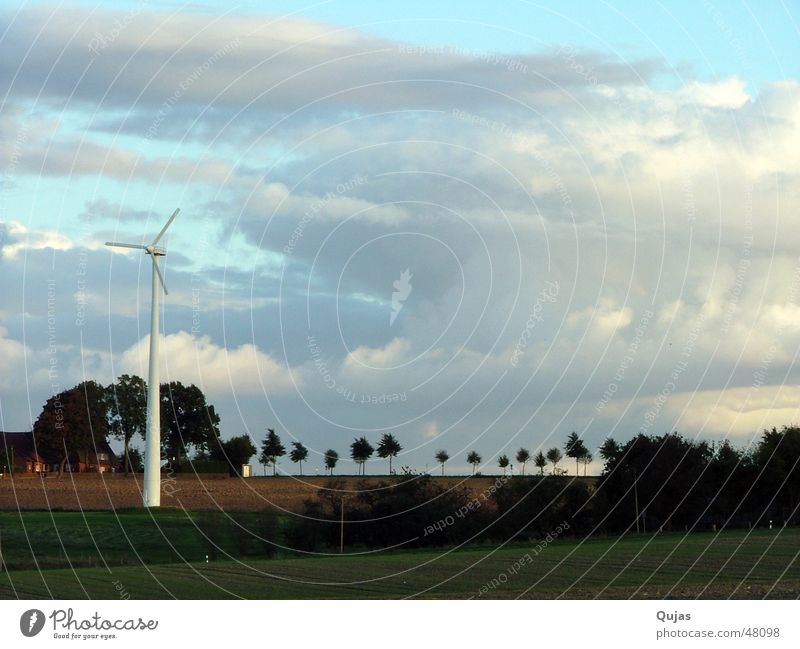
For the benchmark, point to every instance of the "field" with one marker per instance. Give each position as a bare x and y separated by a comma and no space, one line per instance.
206,493
133,555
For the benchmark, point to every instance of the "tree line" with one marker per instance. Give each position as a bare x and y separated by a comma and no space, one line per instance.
272,449
76,420
361,450
648,484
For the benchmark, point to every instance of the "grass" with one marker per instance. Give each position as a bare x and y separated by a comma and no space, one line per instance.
42,540
761,563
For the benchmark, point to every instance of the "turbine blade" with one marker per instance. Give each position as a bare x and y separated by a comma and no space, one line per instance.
164,229
160,276
126,245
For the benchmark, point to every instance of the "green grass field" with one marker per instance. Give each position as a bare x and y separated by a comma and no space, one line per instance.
134,555
40,540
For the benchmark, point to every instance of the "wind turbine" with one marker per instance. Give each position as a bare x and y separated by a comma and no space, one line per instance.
152,452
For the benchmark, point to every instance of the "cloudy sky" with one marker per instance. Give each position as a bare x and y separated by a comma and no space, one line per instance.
474,225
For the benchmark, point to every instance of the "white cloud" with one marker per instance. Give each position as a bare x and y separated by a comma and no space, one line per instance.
743,412
727,93
386,357
19,238
244,370
603,320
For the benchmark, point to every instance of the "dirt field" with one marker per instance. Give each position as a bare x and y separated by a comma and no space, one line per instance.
93,491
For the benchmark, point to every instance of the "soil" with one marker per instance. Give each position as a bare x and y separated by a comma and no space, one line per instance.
197,492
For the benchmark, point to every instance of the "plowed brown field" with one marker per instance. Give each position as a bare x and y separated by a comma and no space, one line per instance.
93,491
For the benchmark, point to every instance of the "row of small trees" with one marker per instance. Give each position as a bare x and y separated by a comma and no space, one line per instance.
360,451
574,448
272,449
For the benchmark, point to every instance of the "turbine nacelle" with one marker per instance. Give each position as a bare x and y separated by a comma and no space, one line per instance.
153,250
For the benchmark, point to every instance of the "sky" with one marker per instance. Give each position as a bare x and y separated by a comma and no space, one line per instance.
478,226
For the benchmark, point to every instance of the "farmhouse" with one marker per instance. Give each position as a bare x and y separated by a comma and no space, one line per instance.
21,451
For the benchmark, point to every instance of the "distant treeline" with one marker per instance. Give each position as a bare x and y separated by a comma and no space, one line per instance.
649,484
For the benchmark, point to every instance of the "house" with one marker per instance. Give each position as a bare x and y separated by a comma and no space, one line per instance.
21,451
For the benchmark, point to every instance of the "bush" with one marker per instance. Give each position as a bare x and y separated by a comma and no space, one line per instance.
407,511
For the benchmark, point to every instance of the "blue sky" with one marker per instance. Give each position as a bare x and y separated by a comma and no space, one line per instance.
756,40
642,158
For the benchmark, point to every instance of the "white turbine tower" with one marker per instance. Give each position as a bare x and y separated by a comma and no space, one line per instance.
152,453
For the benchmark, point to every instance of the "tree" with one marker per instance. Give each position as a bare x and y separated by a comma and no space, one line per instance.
271,450
298,454
235,452
609,451
554,456
586,460
187,422
523,456
73,422
503,462
540,461
127,411
389,447
575,448
331,458
361,450
441,457
474,459
136,459
660,482
777,456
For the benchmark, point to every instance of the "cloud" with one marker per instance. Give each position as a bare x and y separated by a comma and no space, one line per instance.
16,238
276,63
603,320
741,412
13,354
323,161
241,370
386,357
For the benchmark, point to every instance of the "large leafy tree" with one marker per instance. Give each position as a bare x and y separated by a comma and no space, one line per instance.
187,421
361,450
298,454
575,449
664,480
127,411
441,457
389,447
73,422
331,458
235,452
474,459
271,450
